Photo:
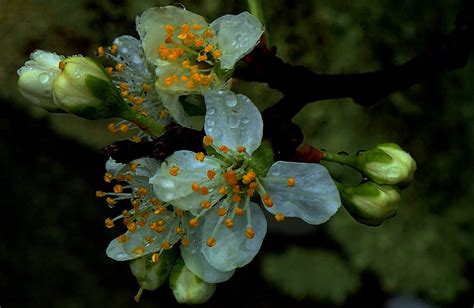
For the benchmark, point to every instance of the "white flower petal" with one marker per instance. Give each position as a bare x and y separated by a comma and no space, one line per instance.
197,263
151,28
173,105
125,251
131,54
178,189
232,248
233,120
236,35
114,167
314,197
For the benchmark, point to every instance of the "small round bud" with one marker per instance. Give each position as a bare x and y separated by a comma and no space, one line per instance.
387,163
150,271
36,79
370,203
187,287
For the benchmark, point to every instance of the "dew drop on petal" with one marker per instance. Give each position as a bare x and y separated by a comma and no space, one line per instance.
210,122
167,184
136,59
234,121
211,111
193,251
231,100
44,78
245,120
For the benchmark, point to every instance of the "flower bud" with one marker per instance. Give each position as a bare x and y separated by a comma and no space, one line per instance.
36,79
85,89
387,163
151,275
187,287
370,203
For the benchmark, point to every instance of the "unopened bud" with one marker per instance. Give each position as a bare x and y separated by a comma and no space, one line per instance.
187,287
370,203
36,79
387,163
151,275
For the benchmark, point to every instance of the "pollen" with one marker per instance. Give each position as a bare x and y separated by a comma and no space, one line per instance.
159,210
108,177
279,217
100,194
123,128
132,227
291,182
221,211
211,242
236,198
195,187
249,233
165,244
229,223
109,70
193,222
101,51
207,140
185,241
139,250
200,156
222,190
109,223
118,188
208,33
205,204
119,67
155,257
174,170
268,202
241,149
110,201
204,190
211,174
122,238
224,149
114,49
239,211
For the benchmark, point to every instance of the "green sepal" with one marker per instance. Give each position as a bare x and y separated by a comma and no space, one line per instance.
193,105
262,158
114,104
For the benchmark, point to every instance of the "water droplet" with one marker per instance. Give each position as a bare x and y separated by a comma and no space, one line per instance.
77,74
123,49
234,121
210,122
167,184
211,111
245,120
231,100
136,59
193,251
44,78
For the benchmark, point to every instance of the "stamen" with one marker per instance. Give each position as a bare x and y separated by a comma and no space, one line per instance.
221,211
139,250
123,128
207,140
185,241
211,174
109,223
174,170
193,222
118,188
155,257
123,238
114,49
100,194
119,67
229,223
108,69
165,244
200,156
224,149
279,217
249,233
101,51
132,227
211,242
291,182
204,190
195,187
205,204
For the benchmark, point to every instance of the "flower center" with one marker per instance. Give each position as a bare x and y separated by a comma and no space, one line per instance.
189,45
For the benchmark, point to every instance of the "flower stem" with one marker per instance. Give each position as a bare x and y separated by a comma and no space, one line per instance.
343,159
147,125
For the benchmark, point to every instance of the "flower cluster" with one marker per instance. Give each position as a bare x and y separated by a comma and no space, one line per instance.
198,216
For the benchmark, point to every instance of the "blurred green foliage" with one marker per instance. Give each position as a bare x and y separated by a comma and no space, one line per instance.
426,250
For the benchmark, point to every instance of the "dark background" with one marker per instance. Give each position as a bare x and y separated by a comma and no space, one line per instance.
52,244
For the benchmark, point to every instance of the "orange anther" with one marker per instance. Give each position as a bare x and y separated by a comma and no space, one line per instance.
123,128
179,212
114,49
239,211
101,51
221,211
252,175
110,201
224,149
222,190
207,140
229,223
217,54
108,177
174,170
204,190
165,244
236,198
241,149
139,250
132,227
249,233
211,242
195,187
250,192
118,188
61,65
119,67
268,202
279,217
122,238
111,128
211,174
159,210
109,223
205,204
236,189
193,222
291,182
155,257
108,69
185,241
200,156
100,194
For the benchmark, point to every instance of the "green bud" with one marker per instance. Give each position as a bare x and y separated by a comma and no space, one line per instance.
151,275
370,203
387,163
187,287
36,79
85,89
